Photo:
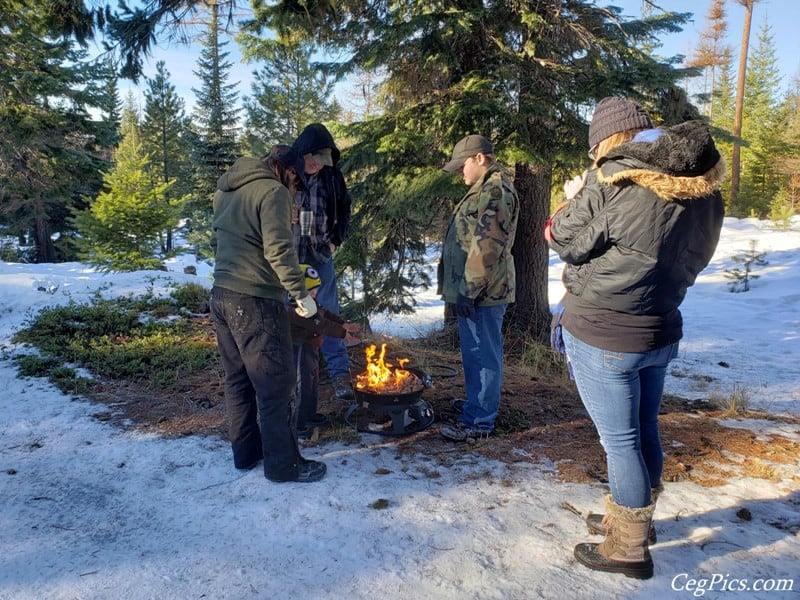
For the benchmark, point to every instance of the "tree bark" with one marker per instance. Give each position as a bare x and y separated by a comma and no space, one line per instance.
45,249
531,312
737,117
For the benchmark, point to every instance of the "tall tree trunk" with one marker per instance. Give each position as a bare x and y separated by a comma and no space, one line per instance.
737,117
531,312
45,249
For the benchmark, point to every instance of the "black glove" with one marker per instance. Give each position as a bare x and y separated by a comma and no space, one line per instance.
465,307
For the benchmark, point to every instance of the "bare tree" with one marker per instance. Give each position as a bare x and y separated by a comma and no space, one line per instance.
711,52
737,118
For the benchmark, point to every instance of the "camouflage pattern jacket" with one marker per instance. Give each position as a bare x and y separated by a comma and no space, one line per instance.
476,253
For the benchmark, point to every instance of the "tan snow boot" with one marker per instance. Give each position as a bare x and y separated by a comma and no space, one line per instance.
600,524
625,548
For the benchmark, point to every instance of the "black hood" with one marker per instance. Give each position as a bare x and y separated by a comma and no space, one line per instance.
682,163
685,150
315,137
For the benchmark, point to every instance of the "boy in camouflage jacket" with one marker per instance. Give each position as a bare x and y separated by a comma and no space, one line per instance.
477,275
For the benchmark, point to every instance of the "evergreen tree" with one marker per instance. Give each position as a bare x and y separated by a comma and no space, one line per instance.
288,93
165,141
787,200
724,103
120,229
525,74
50,148
216,110
762,130
110,105
216,121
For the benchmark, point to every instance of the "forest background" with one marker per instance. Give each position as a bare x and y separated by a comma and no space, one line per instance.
90,174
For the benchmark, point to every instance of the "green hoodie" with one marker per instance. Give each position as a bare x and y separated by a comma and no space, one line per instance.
253,248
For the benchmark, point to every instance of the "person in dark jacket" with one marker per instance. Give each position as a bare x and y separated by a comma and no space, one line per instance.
255,266
634,238
320,221
307,339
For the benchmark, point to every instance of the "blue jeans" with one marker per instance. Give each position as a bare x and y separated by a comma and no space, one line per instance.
481,339
255,348
333,349
622,394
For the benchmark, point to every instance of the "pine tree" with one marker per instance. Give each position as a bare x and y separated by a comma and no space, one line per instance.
165,141
525,74
120,229
762,129
787,200
288,93
216,128
50,148
110,105
216,110
724,101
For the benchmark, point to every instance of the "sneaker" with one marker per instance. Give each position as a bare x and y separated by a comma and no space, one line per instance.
318,420
457,404
307,471
461,432
342,388
311,470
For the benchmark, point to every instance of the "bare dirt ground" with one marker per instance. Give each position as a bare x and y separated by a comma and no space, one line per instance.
539,421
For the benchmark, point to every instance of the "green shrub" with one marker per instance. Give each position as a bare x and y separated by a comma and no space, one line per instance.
64,378
69,382
126,339
30,365
192,296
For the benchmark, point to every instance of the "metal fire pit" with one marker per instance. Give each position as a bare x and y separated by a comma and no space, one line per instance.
408,412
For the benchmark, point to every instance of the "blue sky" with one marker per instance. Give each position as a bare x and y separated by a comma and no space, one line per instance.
783,17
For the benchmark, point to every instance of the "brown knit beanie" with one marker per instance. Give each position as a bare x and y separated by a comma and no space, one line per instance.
613,115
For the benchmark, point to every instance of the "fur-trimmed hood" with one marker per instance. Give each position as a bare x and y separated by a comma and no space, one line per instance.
682,163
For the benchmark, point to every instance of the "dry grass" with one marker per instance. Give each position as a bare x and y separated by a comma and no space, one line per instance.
541,420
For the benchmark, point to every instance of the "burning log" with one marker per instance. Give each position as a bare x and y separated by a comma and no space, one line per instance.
382,377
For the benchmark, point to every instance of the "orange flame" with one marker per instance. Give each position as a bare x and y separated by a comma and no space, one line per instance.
382,377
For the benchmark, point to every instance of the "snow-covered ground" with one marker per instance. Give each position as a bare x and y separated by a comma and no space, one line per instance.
92,511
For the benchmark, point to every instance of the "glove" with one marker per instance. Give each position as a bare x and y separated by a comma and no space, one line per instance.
574,185
306,307
465,307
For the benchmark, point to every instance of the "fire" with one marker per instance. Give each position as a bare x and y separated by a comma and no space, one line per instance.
382,377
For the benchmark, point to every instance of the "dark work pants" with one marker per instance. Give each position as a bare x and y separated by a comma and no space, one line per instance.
306,357
256,351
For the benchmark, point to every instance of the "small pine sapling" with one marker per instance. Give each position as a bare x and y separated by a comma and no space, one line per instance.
742,276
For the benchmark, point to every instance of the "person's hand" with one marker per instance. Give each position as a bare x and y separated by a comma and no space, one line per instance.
351,340
352,327
306,307
574,185
465,307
